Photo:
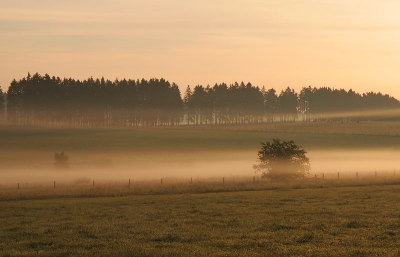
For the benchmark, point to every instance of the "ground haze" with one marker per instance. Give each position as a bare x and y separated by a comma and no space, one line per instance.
192,152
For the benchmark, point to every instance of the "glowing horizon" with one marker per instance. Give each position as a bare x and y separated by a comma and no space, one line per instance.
271,43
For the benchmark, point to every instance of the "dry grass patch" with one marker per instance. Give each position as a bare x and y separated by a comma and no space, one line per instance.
346,221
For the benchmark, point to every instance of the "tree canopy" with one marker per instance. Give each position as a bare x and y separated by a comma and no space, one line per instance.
282,160
45,100
2,101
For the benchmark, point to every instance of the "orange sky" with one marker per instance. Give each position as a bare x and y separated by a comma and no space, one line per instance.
276,43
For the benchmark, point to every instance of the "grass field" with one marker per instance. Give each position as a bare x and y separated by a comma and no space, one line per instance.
347,221
222,213
192,151
311,135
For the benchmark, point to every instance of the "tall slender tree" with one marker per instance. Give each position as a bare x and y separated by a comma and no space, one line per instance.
288,105
271,104
188,106
304,103
2,102
221,103
199,101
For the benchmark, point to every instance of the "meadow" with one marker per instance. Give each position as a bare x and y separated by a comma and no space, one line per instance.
181,153
311,135
34,147
345,221
191,151
191,191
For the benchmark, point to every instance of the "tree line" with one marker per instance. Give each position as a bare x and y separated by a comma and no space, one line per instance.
49,100
44,100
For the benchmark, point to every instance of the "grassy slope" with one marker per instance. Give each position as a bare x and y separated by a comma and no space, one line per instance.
345,221
239,137
361,221
208,138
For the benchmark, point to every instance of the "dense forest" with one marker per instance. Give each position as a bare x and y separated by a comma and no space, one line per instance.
44,100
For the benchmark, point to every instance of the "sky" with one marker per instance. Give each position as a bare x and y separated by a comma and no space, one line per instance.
273,43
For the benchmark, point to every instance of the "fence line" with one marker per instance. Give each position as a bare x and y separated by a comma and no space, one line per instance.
235,180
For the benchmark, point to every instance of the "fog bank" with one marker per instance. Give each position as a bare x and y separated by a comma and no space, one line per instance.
124,166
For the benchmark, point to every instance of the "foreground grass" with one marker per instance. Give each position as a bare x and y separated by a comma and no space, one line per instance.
312,218
345,221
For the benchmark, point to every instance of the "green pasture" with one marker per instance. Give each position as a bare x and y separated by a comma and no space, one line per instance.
311,135
237,217
346,221
35,147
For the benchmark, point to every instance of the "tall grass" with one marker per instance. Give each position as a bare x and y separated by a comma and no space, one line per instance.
345,221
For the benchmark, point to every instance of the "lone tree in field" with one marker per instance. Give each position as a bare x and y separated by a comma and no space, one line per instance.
61,160
281,160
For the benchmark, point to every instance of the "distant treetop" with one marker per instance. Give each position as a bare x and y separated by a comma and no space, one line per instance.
45,100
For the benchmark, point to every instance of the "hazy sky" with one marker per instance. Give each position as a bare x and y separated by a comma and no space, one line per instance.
276,43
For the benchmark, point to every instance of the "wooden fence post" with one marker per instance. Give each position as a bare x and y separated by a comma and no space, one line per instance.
191,180
323,176
129,183
54,184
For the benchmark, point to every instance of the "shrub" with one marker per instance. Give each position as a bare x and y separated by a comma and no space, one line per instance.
61,160
281,160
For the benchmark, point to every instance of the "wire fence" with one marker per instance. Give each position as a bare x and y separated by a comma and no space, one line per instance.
105,188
